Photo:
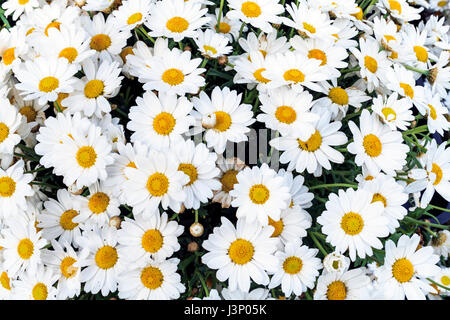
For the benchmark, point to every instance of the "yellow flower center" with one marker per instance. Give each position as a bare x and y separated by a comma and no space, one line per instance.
421,53
7,187
61,97
30,31
359,15
319,55
152,241
352,223
224,27
5,281
164,123
292,265
125,52
134,18
312,144
259,194
389,114
48,84
294,75
445,280
277,225
40,291
67,268
241,251
93,89
379,197
177,24
29,113
106,257
402,270
25,248
173,77
152,278
259,77
70,53
394,55
23,2
9,56
371,64
98,202
395,5
442,3
309,27
336,290
4,132
388,37
251,9
228,180
157,184
54,24
285,114
372,145
438,172
65,221
100,42
190,171
409,92
338,95
86,156
223,121
432,114
209,48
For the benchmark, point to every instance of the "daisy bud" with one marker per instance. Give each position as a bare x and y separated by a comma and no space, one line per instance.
187,48
222,60
196,229
432,75
80,3
209,283
182,208
113,106
209,121
192,246
336,262
74,190
115,222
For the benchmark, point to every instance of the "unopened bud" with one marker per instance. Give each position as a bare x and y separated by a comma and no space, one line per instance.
187,48
209,121
196,229
192,246
115,222
222,60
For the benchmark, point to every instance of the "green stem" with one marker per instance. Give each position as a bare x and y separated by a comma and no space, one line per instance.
369,7
439,208
220,15
429,224
416,130
196,216
205,287
146,34
351,70
241,29
438,284
425,72
332,185
204,62
319,246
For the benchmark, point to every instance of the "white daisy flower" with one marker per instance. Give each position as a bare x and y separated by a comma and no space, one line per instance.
13,46
14,189
10,122
352,222
22,246
386,32
441,244
291,226
156,179
391,194
436,113
227,27
176,19
298,269
6,285
399,9
240,254
200,165
36,285
402,81
223,117
309,22
335,262
259,13
102,264
288,111
373,62
414,41
394,112
56,220
345,35
260,194
435,175
155,238
212,44
18,7
439,75
160,121
339,99
299,192
376,145
174,73
405,268
97,5
255,294
102,81
349,285
65,262
266,44
43,79
442,278
314,153
155,280
132,13
229,168
105,37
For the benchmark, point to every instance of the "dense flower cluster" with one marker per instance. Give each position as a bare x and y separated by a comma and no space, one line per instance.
106,189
